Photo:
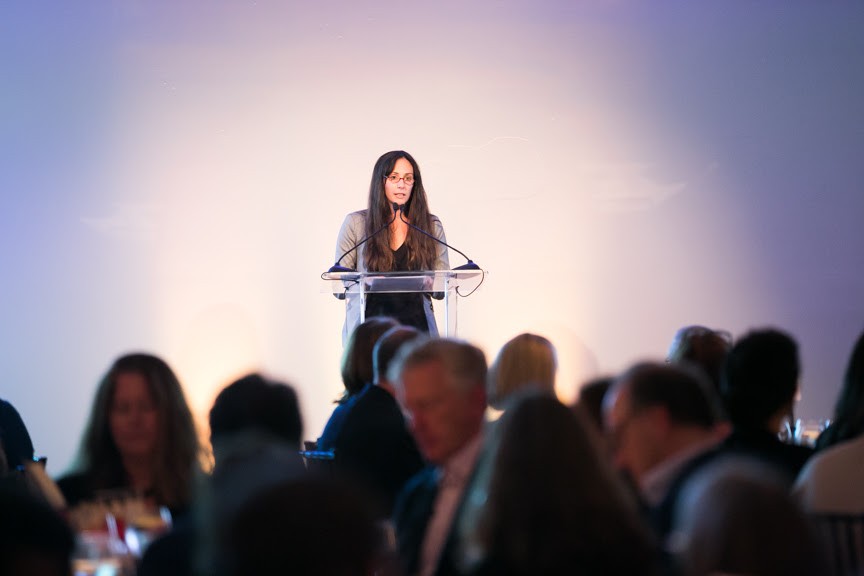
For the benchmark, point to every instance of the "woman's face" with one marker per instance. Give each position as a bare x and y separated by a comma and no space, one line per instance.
133,416
400,190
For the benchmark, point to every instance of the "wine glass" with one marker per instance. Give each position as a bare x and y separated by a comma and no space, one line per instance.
786,433
100,551
144,525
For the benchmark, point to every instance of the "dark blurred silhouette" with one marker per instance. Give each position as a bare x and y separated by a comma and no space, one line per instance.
368,434
737,517
34,539
306,527
17,447
590,399
555,506
255,430
847,421
759,384
702,347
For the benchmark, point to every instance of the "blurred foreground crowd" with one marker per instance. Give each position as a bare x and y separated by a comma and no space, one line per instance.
434,463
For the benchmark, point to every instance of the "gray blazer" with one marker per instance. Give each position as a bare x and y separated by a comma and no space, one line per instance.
353,231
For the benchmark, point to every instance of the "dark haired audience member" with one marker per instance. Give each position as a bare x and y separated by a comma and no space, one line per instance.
661,421
371,441
847,422
357,370
555,506
16,448
15,441
304,527
759,385
255,430
702,347
590,399
34,539
255,404
140,437
255,423
831,482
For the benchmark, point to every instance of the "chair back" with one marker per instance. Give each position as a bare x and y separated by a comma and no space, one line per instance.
843,535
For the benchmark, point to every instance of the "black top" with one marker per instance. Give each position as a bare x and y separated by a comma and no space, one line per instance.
373,446
787,459
405,307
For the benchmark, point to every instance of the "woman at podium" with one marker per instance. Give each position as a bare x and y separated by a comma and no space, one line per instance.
397,204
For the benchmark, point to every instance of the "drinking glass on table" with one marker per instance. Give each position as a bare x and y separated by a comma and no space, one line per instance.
100,551
807,431
786,433
144,527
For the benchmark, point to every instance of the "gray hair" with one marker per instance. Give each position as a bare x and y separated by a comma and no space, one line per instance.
465,363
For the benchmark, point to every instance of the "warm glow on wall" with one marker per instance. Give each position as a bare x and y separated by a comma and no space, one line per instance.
179,172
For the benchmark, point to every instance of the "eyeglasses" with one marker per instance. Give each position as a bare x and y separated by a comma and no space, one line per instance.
408,178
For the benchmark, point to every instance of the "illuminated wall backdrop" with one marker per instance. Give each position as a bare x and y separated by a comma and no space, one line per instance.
174,174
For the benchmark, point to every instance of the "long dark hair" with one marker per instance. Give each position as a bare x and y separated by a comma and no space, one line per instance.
571,510
178,450
422,250
848,421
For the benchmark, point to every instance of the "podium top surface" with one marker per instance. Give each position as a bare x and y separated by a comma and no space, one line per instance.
402,281
355,276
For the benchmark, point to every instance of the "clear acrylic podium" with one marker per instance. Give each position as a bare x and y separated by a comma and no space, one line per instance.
442,284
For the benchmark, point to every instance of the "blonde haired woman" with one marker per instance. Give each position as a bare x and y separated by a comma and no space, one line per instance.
526,361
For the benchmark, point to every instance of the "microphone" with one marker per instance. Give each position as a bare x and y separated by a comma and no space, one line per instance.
337,268
470,265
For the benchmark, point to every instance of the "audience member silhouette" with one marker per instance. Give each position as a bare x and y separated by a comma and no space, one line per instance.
662,427
16,449
441,385
702,347
759,384
357,370
15,442
368,433
590,399
535,493
737,517
255,430
525,361
847,421
831,481
255,404
34,539
555,506
304,527
140,437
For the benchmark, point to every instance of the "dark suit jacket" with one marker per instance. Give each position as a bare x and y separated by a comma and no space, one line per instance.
411,517
662,516
372,444
787,459
173,553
